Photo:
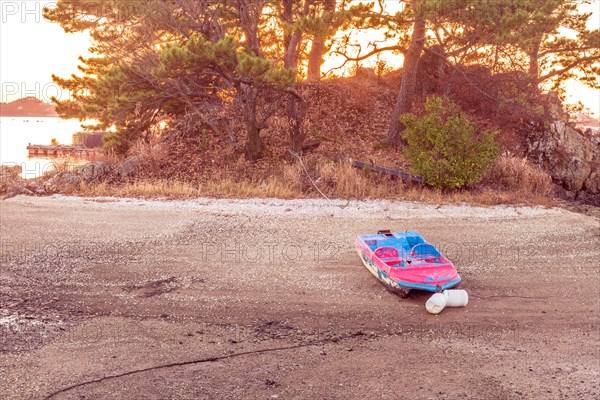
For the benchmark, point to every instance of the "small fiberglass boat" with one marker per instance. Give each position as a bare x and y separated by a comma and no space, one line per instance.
404,260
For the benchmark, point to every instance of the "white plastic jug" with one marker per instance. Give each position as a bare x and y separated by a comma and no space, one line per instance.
456,298
436,303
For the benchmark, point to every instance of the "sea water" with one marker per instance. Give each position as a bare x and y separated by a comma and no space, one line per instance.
17,132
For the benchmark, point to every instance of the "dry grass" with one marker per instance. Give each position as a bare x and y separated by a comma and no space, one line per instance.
345,181
294,177
527,185
272,187
139,189
520,175
152,153
276,188
63,164
173,189
107,158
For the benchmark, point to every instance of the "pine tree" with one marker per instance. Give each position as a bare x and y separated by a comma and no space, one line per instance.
547,39
176,58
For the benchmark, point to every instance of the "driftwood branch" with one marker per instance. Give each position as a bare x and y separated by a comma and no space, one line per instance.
381,169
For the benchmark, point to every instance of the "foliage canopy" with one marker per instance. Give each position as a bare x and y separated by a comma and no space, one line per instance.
229,66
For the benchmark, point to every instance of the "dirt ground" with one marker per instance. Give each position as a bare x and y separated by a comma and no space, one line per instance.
266,299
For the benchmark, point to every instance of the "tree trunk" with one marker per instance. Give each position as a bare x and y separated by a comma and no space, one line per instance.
405,98
315,58
291,53
249,12
291,41
534,70
254,144
296,111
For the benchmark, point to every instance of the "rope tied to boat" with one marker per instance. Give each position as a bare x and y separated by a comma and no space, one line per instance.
299,157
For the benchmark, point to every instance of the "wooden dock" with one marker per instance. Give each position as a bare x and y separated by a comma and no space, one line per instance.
39,150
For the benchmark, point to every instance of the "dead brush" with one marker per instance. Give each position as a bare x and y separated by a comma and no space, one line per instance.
108,158
293,176
521,175
345,181
143,189
512,181
273,187
228,188
61,165
326,174
152,154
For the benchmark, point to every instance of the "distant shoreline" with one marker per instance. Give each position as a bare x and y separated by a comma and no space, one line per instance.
27,107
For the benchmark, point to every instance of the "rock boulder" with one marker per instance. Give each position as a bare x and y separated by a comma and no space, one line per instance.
94,172
570,157
11,183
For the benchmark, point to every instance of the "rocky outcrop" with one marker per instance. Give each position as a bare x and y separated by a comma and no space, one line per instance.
11,182
131,166
591,186
10,171
63,182
571,158
94,172
67,182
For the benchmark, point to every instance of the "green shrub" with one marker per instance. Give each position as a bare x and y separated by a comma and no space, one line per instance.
445,148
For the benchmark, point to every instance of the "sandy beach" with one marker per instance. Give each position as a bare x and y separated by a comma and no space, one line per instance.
206,299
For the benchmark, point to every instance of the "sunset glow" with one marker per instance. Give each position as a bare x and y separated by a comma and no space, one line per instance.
32,49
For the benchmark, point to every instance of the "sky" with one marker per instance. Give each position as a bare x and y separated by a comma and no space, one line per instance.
32,49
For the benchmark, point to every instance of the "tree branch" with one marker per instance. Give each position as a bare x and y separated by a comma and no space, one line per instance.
552,74
566,50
